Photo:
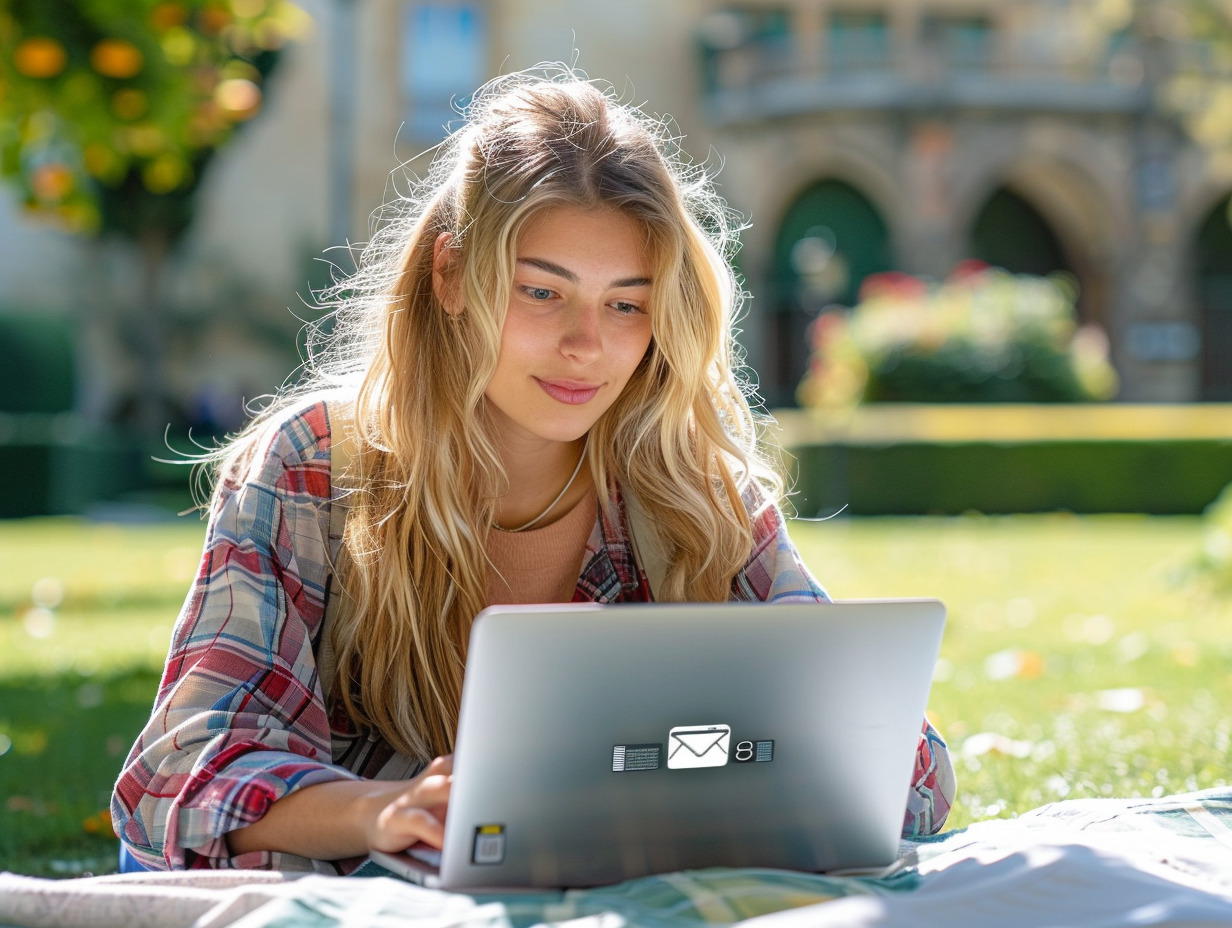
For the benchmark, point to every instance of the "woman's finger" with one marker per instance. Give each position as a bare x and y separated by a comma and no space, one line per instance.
442,764
418,812
398,829
430,788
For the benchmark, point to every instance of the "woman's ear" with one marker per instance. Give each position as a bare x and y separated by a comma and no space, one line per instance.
444,281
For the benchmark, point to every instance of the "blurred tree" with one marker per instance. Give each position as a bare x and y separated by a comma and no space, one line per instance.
110,111
1199,83
1188,61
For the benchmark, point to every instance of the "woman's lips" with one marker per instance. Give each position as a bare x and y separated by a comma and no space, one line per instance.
569,391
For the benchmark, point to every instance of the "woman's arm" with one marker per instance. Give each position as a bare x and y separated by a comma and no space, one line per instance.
331,821
239,721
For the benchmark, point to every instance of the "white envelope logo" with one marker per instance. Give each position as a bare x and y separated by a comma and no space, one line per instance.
698,746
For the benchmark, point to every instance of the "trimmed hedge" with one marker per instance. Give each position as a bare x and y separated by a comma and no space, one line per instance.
37,364
53,462
65,477
27,487
1163,477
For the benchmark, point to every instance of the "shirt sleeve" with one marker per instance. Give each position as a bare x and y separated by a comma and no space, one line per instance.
776,573
933,786
239,721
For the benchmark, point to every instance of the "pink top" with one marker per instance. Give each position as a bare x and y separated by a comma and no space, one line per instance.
541,565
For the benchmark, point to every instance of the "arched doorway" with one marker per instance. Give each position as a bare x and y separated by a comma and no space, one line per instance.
1213,265
1010,233
830,239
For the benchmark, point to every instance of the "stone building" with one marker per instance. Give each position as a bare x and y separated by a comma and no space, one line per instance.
916,134
856,135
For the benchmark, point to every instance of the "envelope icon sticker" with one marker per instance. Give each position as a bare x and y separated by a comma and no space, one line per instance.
698,746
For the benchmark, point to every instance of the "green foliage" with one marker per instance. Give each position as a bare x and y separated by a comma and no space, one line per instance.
1190,42
982,336
1198,85
111,109
68,466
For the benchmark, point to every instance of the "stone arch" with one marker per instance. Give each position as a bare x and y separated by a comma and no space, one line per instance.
763,174
1087,222
862,166
1212,268
829,238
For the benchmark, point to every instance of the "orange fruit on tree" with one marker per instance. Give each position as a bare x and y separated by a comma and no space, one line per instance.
40,56
168,15
51,182
117,58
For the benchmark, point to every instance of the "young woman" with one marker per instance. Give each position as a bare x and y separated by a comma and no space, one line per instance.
541,336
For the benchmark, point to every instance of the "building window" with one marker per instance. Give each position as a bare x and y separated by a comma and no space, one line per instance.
741,46
858,41
443,61
962,42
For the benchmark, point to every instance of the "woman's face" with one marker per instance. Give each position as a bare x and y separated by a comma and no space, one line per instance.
578,323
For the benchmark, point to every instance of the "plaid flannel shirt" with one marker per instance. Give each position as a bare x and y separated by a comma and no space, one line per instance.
240,720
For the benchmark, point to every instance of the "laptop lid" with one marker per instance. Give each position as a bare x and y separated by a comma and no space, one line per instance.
602,743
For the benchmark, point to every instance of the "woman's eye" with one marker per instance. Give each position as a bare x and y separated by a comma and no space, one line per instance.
538,293
626,309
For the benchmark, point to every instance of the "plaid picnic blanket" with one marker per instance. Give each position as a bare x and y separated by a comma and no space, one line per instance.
1083,863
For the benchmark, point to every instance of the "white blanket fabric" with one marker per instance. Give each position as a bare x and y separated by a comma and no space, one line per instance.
1083,863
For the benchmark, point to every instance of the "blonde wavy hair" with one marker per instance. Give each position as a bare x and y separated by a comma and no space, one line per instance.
423,475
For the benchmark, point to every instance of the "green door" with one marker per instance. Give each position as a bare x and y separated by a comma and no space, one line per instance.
1010,233
1214,285
831,238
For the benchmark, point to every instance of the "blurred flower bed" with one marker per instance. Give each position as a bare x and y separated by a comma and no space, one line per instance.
981,336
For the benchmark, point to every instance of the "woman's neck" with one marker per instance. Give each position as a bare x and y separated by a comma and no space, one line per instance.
538,470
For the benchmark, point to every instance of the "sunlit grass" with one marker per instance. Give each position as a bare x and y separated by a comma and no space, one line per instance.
85,619
1082,658
95,565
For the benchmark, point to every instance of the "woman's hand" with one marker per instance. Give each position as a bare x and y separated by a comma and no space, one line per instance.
349,818
417,813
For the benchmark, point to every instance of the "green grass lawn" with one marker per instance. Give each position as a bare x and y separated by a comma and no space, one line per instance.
85,618
1083,657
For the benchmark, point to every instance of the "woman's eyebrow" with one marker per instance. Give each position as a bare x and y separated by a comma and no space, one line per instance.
553,268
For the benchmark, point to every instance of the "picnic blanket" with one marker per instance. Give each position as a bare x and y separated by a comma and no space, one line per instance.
1086,863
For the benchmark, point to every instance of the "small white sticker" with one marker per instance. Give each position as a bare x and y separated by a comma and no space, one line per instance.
489,844
698,746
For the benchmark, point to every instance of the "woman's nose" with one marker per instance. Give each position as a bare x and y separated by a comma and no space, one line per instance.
581,340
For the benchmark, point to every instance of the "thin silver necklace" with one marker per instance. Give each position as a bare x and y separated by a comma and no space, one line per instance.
559,496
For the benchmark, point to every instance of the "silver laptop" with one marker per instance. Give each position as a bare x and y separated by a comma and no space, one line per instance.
601,743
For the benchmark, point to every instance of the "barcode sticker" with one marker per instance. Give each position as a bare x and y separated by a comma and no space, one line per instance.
630,757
